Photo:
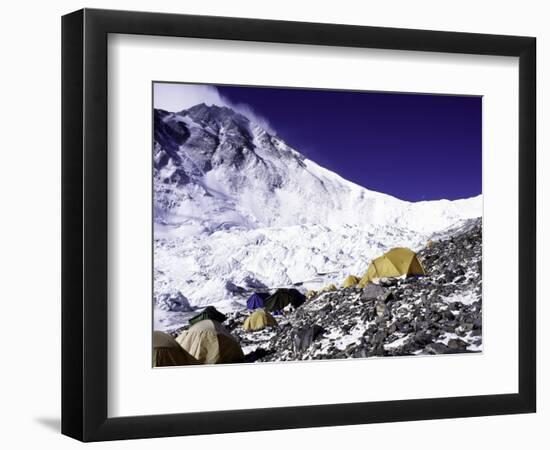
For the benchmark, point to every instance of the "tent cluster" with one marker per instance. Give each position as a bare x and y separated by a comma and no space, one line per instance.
207,341
397,262
277,301
264,304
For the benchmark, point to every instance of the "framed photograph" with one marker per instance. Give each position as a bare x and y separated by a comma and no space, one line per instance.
273,225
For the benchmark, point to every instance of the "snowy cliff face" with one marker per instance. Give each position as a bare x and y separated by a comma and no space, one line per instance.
214,170
236,208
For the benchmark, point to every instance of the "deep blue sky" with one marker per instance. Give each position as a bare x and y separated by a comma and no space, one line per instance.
414,147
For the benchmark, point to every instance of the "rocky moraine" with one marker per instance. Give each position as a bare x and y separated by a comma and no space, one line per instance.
439,313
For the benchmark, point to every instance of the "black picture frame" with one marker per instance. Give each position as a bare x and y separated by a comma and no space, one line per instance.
84,224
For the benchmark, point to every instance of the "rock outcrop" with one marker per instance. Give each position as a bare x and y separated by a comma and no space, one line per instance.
439,313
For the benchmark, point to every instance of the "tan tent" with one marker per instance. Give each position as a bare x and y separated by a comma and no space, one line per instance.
310,294
395,263
350,281
167,352
329,288
258,320
211,343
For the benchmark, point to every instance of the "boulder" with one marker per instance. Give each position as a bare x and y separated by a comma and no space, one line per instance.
173,301
372,290
304,337
457,344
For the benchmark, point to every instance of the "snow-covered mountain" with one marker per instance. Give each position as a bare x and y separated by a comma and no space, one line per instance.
236,208
215,169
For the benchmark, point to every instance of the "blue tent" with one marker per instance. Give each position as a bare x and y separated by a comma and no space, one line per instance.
256,300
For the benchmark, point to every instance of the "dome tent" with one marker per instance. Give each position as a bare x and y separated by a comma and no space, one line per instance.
208,313
329,288
284,297
257,300
310,294
397,262
167,352
258,320
350,281
210,343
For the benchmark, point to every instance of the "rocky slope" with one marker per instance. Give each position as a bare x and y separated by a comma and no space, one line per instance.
436,314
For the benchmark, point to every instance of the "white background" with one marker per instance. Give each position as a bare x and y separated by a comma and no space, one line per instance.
135,389
30,180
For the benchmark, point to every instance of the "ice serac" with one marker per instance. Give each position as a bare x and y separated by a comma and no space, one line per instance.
235,206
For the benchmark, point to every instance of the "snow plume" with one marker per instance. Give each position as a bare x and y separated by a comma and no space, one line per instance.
247,111
175,97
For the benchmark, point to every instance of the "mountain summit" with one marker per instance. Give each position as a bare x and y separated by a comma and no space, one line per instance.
216,169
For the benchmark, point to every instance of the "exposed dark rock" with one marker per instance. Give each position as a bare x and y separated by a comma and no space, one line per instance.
372,291
417,315
437,348
305,336
255,355
457,344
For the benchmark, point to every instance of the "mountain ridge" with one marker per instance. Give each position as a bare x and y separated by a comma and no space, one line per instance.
216,169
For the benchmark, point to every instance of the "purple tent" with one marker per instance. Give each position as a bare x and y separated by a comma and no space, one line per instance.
256,300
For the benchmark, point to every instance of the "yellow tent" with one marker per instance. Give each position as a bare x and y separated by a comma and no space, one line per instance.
211,343
395,263
329,288
167,352
350,281
310,294
258,320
